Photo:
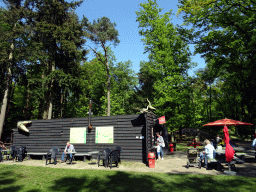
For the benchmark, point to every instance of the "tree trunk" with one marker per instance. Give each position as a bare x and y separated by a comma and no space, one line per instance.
61,102
108,78
45,97
51,96
108,91
210,103
4,103
3,109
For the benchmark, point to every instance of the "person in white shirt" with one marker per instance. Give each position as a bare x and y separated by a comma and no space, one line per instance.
160,140
254,141
69,148
208,153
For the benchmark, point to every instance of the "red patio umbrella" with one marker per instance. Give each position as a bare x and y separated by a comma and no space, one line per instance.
229,152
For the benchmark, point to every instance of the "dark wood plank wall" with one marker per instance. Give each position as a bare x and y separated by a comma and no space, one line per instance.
45,134
150,123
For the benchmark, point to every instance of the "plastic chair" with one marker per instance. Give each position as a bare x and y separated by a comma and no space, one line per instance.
104,156
20,153
114,158
13,152
118,148
52,154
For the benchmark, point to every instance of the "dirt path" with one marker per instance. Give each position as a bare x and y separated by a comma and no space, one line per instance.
173,164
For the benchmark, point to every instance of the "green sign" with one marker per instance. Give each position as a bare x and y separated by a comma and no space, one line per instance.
104,134
78,135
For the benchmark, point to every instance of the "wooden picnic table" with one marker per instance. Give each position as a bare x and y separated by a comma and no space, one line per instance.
220,157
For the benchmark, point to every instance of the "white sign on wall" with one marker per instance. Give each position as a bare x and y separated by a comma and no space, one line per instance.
104,134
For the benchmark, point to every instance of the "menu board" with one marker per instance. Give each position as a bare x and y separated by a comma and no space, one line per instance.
104,134
78,135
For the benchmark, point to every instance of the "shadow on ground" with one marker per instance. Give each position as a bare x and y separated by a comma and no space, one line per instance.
123,181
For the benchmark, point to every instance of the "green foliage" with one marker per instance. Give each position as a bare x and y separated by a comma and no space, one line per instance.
57,46
224,33
93,85
145,89
170,59
123,81
101,31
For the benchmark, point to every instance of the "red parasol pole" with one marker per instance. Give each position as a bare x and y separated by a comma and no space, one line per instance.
229,152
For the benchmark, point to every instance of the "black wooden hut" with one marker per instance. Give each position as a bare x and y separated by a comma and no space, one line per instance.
135,134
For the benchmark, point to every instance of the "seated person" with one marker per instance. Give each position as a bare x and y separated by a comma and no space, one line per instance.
208,153
69,148
218,139
214,143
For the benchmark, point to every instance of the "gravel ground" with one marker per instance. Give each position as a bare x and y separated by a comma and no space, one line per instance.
172,164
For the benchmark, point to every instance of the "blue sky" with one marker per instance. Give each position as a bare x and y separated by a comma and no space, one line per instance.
123,14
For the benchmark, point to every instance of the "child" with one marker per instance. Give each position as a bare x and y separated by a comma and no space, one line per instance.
158,149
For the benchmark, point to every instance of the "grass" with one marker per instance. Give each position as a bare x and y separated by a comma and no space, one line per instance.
38,179
185,147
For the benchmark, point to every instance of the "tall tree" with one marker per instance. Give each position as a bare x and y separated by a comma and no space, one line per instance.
123,81
145,89
57,42
92,81
171,58
101,32
225,35
11,58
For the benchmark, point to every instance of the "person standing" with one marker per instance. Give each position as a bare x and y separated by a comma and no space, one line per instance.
68,149
254,141
160,140
2,145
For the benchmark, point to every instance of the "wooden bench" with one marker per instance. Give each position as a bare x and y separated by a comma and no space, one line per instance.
213,160
89,154
238,160
36,154
84,155
240,155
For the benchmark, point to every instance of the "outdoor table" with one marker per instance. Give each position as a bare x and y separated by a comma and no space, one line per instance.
220,156
239,149
242,151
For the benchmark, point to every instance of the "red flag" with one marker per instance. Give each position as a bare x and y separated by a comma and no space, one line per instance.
161,120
